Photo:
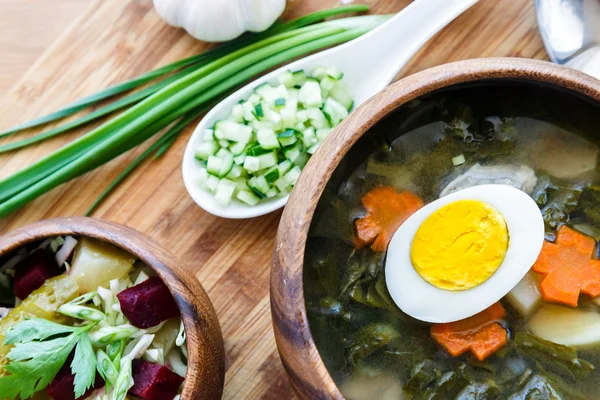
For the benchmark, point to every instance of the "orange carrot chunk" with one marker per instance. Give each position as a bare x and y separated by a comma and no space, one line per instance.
386,211
481,333
568,268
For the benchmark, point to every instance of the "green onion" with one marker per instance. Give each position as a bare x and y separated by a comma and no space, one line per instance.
177,101
110,334
106,368
81,312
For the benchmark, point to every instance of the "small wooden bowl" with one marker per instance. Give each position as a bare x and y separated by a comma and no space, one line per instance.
298,352
206,355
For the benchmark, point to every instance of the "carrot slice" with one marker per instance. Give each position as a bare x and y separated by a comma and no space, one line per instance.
386,211
481,333
568,268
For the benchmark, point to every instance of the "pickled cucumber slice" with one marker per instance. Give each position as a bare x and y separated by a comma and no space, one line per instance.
41,303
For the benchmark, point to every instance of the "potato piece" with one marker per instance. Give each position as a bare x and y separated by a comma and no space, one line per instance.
41,303
567,326
96,263
525,296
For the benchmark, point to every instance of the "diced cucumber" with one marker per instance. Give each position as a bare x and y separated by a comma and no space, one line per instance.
256,125
342,94
311,150
310,94
319,72
238,113
288,137
272,193
260,149
335,73
203,177
248,197
272,174
213,165
279,103
299,78
317,118
301,116
292,153
234,131
220,164
259,186
251,164
224,192
206,149
292,176
301,160
254,99
238,148
288,179
267,160
287,79
239,160
309,137
256,151
267,139
260,90
259,111
284,167
334,111
323,133
327,85
236,172
209,134
211,183
288,117
248,111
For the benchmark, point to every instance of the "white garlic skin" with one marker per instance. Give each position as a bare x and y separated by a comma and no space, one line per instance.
220,20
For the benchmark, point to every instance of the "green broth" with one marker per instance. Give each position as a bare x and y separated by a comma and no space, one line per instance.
361,335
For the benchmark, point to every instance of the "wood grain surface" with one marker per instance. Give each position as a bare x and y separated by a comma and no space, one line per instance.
118,39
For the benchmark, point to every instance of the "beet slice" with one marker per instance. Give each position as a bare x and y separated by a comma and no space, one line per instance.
148,303
62,386
154,381
32,271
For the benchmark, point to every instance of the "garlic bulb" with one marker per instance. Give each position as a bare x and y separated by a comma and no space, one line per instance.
220,20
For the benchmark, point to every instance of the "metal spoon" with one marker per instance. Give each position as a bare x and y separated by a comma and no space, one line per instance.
571,32
369,64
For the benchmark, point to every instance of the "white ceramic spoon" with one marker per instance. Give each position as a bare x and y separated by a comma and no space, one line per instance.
369,64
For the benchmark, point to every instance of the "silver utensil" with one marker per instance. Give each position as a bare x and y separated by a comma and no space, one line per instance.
571,32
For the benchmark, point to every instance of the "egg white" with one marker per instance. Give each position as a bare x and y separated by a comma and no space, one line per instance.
421,300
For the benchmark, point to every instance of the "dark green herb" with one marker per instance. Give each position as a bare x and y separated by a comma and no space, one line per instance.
370,339
556,199
559,359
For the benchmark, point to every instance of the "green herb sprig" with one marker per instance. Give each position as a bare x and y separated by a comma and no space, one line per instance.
40,350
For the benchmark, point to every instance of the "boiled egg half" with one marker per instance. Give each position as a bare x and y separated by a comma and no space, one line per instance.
463,252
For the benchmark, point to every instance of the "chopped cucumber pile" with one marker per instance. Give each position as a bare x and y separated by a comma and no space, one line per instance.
259,151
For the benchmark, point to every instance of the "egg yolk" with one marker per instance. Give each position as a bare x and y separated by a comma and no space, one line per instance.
460,246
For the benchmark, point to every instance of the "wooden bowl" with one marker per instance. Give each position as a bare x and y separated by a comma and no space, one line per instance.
298,352
206,355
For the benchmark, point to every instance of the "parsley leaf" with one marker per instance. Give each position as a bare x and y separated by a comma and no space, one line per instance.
35,361
84,366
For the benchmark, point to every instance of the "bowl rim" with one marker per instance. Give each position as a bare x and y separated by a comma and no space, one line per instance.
300,357
206,355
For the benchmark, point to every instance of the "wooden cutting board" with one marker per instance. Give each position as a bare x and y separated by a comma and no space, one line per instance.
118,39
